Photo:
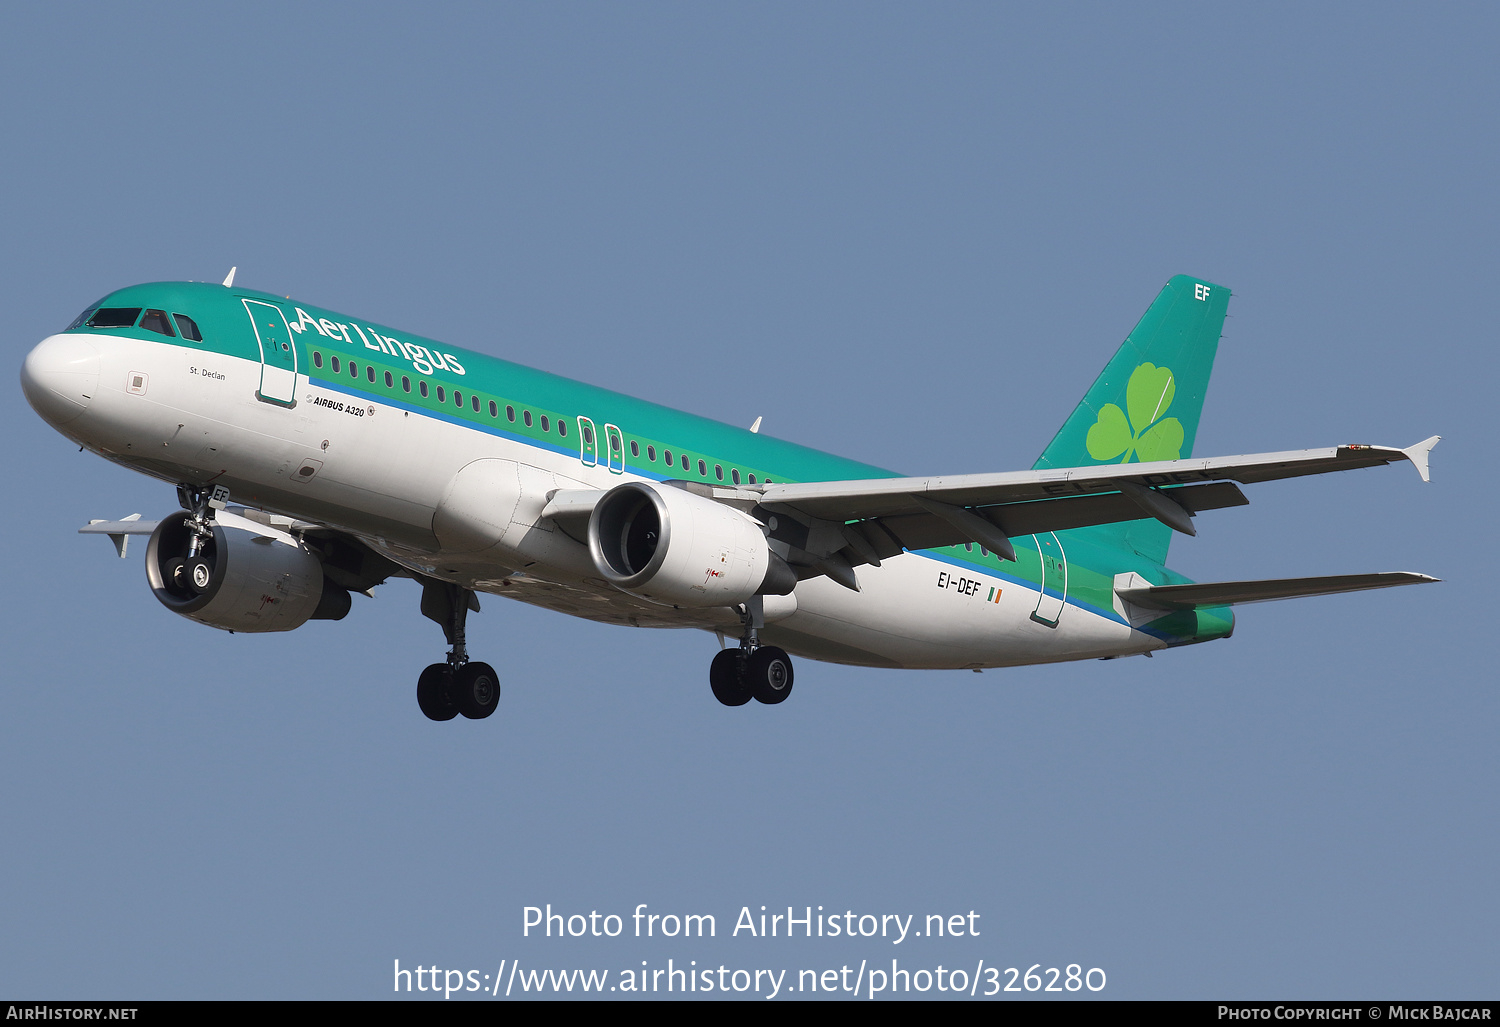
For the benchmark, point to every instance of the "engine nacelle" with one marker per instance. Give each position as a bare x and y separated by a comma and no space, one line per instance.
255,578
673,547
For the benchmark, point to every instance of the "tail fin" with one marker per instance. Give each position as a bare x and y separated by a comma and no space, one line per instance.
1146,403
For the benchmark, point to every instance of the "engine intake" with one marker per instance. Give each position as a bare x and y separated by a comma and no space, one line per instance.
245,576
679,549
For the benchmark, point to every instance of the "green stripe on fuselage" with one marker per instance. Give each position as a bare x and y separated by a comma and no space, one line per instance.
226,329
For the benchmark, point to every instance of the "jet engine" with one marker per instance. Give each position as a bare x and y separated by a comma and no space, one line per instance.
679,549
243,577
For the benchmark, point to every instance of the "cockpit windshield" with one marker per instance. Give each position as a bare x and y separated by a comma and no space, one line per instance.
152,320
114,317
156,321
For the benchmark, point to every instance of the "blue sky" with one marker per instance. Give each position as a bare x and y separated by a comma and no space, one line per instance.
907,235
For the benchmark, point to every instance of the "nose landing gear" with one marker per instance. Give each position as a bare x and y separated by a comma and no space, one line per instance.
751,671
444,690
191,573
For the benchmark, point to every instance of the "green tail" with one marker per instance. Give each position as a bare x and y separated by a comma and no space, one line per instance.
1146,403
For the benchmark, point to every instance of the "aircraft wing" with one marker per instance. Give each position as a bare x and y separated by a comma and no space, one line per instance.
119,532
1229,593
892,514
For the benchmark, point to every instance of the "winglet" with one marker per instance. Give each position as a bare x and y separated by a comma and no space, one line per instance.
755,428
229,278
120,538
1418,455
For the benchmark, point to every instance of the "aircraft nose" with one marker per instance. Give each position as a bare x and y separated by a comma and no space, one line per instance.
60,377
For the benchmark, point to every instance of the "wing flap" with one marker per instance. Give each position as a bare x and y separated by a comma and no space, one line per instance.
926,531
1229,593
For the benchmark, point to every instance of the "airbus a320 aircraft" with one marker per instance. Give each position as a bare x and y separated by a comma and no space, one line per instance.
354,453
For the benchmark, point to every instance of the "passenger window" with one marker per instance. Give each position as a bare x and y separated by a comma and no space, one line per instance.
546,424
651,453
719,471
422,388
187,327
370,373
752,479
494,409
458,398
474,402
614,443
353,369
156,321
442,395
114,317
390,380
635,448
734,475
405,384
317,359
526,416
562,427
666,455
685,466
702,469
510,413
335,365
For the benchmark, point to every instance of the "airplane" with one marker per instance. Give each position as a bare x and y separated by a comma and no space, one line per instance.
317,455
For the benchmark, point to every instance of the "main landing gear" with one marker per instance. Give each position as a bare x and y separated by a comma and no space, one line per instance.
751,671
445,690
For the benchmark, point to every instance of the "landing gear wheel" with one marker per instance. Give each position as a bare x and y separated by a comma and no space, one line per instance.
174,573
199,574
768,673
724,676
432,693
475,690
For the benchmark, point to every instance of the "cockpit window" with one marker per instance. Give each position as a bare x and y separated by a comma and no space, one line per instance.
114,317
81,319
187,328
156,321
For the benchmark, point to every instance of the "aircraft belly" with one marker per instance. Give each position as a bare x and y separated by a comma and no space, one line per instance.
909,613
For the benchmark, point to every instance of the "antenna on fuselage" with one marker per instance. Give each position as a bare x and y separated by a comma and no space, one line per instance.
755,428
229,278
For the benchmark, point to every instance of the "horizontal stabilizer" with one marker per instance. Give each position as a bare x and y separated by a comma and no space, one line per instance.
1227,593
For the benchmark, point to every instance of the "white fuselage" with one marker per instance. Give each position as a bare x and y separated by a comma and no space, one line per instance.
381,472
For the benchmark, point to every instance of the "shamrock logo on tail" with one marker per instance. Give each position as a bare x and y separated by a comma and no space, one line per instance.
1147,396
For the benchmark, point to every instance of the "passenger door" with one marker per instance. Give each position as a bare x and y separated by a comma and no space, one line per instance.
278,357
1053,595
